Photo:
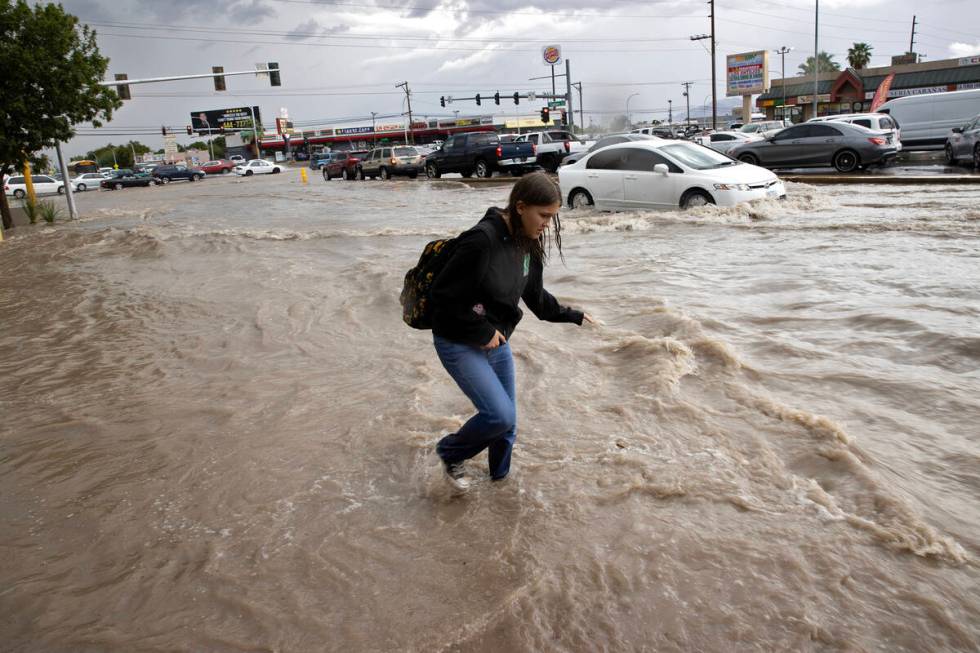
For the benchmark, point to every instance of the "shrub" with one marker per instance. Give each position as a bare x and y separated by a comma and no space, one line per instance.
49,211
30,210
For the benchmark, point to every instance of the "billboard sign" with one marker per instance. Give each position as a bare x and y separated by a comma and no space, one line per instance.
551,54
229,119
748,73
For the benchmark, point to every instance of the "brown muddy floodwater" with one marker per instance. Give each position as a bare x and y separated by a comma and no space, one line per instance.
217,435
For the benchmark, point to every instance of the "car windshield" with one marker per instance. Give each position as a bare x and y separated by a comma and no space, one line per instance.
699,158
405,151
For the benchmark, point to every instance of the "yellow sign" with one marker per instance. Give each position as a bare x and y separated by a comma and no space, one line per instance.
527,122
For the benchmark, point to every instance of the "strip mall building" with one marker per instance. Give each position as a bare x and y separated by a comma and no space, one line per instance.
851,90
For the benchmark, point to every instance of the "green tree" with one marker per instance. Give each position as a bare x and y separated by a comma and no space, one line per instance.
859,55
51,73
827,64
110,154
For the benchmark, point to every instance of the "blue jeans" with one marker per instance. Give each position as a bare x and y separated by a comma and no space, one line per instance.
486,377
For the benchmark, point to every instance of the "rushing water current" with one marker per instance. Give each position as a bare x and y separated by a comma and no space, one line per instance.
218,435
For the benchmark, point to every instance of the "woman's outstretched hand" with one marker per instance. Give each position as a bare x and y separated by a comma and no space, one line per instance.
591,320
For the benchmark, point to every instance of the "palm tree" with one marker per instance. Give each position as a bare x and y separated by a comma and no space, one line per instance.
827,64
859,56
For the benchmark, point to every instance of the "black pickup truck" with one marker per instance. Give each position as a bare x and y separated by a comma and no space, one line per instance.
480,153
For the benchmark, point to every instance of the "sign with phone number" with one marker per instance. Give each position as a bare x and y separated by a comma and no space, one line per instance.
229,119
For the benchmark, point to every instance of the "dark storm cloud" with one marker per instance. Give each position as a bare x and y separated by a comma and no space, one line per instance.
312,27
238,11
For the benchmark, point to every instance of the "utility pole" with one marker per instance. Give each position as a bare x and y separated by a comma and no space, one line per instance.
912,40
63,166
782,52
714,85
569,111
816,58
408,96
373,114
581,116
687,96
670,112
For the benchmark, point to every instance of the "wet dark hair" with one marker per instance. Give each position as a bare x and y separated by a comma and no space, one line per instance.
535,189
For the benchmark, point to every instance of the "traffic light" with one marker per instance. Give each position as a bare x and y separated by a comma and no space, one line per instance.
545,115
190,130
477,99
163,130
517,98
564,117
496,97
274,74
219,80
122,90
442,100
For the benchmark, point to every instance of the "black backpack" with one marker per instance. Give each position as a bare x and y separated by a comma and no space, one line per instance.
414,298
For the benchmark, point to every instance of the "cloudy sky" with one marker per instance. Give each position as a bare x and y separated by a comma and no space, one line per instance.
341,59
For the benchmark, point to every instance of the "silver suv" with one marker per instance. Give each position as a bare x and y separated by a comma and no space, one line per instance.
874,121
964,143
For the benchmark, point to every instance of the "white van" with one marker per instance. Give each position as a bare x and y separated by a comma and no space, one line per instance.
926,120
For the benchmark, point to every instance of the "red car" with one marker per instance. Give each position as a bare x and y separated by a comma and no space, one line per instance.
219,167
343,164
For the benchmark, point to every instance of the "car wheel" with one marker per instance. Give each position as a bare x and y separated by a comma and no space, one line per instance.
432,172
164,180
751,159
385,175
846,161
326,174
248,173
950,157
483,170
81,188
275,171
694,198
976,156
117,186
359,175
19,194
580,198
225,171
61,190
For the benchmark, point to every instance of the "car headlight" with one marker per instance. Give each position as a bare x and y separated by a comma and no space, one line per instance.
731,187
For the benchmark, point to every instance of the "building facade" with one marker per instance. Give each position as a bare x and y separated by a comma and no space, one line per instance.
851,90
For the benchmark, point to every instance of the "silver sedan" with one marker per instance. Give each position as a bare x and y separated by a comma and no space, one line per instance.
844,146
964,144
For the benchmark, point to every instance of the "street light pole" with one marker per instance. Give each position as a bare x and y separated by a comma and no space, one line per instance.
782,51
670,112
816,58
687,96
210,146
629,120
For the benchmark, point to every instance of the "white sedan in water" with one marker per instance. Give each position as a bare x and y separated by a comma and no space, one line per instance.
257,167
663,174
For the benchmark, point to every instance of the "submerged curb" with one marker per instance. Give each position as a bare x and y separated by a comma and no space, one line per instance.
899,180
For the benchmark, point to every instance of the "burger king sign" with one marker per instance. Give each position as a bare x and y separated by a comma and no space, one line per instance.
551,55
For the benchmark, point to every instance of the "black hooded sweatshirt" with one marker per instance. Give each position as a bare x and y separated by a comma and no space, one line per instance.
478,290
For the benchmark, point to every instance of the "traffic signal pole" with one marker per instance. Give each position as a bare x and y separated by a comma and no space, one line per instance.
173,78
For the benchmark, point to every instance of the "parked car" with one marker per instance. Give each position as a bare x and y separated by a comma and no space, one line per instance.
482,153
964,143
388,162
43,185
107,170
606,141
926,120
844,146
218,167
661,174
168,173
725,141
126,179
343,164
257,167
237,159
764,128
301,155
874,121
551,147
83,182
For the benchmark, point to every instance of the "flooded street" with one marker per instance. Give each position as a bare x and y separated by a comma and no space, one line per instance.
218,434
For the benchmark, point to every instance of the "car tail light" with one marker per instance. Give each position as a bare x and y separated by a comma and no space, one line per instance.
568,146
393,161
500,151
877,140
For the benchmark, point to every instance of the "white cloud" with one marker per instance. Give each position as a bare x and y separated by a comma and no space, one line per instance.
964,49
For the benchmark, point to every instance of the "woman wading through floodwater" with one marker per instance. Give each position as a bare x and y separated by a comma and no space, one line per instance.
475,310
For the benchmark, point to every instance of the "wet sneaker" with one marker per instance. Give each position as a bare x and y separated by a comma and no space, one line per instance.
456,477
